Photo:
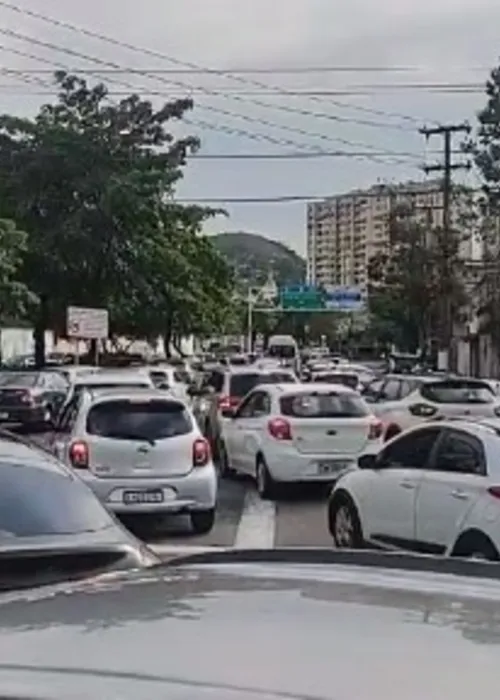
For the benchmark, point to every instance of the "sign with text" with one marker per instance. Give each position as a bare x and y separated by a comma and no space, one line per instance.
87,324
313,298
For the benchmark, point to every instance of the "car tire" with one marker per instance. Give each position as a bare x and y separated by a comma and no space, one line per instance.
344,523
476,546
266,486
202,521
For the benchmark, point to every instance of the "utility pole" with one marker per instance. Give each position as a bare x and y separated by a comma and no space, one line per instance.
446,167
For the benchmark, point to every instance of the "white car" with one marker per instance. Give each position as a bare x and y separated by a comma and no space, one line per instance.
177,380
141,452
108,379
434,489
285,433
403,401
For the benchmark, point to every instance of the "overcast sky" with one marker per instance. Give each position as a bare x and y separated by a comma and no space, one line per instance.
451,42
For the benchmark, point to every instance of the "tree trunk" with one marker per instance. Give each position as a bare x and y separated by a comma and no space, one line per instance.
42,321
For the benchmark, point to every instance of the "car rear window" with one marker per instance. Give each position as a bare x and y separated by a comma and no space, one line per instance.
350,380
80,388
241,384
126,419
323,405
18,379
462,392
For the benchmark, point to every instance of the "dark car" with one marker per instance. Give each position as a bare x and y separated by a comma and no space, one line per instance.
263,625
52,527
31,398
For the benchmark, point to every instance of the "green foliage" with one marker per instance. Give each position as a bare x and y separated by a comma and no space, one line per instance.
92,182
16,299
409,280
253,257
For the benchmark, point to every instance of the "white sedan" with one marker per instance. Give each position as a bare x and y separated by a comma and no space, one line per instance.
286,433
434,489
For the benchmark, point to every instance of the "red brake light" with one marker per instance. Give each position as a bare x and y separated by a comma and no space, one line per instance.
201,453
494,491
375,430
279,429
79,455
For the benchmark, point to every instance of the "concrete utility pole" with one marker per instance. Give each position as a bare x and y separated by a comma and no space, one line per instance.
446,167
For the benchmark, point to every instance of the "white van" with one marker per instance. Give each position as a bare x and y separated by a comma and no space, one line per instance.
285,349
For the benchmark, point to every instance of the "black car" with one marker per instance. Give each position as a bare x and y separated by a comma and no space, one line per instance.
268,625
31,398
52,526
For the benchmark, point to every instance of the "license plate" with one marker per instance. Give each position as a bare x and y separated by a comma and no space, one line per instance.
138,497
331,467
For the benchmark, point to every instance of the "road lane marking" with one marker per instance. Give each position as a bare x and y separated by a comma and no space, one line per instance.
257,526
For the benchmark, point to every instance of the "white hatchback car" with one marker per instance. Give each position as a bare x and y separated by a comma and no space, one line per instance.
141,452
284,433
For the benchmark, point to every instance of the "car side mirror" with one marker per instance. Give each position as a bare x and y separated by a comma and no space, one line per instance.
368,461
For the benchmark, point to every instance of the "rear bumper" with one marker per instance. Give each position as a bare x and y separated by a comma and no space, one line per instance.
22,414
192,492
296,467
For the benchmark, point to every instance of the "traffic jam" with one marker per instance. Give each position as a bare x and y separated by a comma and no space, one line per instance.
409,461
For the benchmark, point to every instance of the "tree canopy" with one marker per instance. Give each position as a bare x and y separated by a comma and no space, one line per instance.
92,183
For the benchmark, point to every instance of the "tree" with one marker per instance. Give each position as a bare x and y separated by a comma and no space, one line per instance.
16,299
407,281
89,180
484,146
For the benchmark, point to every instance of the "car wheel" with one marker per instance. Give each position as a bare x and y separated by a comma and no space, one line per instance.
202,521
476,546
344,524
266,486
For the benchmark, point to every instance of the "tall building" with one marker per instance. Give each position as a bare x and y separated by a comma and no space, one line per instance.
345,231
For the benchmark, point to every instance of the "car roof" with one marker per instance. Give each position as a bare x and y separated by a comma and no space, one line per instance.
105,377
308,388
131,393
428,627
16,449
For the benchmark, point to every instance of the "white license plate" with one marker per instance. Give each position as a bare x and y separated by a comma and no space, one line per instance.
331,467
131,498
4,416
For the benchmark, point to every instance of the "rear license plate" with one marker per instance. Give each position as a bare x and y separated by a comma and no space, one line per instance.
137,497
331,467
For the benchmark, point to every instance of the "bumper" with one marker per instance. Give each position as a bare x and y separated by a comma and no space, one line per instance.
22,414
184,494
294,467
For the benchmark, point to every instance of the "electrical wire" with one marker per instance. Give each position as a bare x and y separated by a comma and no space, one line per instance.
256,120
188,64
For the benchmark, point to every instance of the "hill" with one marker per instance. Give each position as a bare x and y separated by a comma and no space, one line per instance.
253,257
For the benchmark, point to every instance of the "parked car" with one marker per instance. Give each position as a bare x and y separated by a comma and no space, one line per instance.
31,398
258,625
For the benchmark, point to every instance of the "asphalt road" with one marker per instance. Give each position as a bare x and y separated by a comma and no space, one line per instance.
244,521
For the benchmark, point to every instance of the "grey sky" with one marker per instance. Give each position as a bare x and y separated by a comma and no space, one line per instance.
444,41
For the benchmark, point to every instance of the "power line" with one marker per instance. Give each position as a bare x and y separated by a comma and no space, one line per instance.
184,64
299,155
245,117
305,70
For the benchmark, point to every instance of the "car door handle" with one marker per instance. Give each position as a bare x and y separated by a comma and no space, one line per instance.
408,484
460,495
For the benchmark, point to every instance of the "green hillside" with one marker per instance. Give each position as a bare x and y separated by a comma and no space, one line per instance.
253,257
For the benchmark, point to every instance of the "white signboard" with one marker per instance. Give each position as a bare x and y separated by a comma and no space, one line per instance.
87,324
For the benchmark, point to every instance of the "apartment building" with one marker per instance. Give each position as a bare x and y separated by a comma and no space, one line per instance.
345,231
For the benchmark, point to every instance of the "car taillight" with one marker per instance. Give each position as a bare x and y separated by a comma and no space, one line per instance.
279,429
201,452
79,455
422,410
228,402
494,491
375,430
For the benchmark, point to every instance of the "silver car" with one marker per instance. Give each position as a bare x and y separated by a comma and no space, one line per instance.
141,452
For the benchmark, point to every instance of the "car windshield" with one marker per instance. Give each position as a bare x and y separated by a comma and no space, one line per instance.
323,405
37,501
241,384
126,419
462,392
286,352
89,386
28,379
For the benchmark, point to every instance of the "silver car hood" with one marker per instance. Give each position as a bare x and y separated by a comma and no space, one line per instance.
254,631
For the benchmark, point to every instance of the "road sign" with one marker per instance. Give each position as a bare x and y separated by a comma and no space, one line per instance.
87,324
301,297
342,298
